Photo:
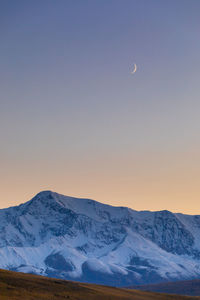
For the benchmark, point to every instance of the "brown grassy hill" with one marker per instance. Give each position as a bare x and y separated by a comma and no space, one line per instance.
17,286
187,287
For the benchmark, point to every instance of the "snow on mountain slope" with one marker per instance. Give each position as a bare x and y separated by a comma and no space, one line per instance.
84,240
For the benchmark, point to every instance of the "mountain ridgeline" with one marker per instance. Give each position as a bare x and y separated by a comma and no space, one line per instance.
87,241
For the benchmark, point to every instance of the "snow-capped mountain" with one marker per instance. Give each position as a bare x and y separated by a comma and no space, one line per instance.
84,240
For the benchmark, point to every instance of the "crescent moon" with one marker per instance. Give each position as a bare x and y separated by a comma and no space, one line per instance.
134,69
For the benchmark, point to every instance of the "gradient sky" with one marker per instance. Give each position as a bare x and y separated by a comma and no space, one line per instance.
74,120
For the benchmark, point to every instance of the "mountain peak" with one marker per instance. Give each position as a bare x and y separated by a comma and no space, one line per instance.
78,238
50,196
45,193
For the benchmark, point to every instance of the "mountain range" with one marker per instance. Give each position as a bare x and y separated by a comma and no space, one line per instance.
87,241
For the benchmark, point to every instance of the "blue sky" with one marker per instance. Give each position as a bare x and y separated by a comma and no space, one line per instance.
72,117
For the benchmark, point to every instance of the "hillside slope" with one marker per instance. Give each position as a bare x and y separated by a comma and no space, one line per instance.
17,286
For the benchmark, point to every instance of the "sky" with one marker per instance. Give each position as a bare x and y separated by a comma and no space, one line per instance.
74,120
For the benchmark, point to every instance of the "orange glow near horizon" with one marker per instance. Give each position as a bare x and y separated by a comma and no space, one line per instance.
74,120
148,183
